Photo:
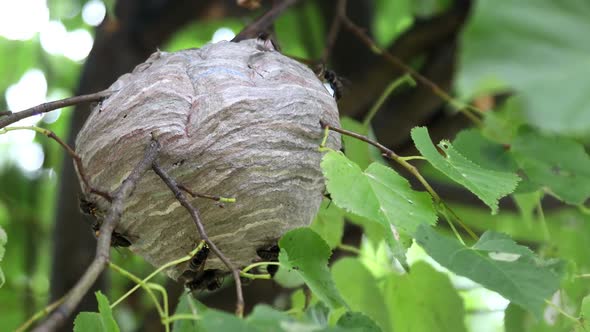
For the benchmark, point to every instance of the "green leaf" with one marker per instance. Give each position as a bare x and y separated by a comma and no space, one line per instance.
559,164
318,313
514,318
497,263
304,251
584,315
488,185
423,300
534,47
356,321
426,8
265,318
359,289
102,321
88,322
3,240
527,203
378,193
391,19
216,321
356,150
329,223
480,150
188,305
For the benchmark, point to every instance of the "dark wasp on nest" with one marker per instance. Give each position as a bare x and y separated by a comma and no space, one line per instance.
197,278
330,77
90,208
335,83
270,254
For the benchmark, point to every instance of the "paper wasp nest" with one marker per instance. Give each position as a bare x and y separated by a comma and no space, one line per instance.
234,120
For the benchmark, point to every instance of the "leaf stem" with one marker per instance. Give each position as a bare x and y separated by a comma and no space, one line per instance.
147,286
407,78
408,158
444,212
40,314
253,276
541,215
254,265
182,317
349,248
561,311
161,268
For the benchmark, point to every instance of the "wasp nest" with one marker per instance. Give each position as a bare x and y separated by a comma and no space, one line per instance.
234,120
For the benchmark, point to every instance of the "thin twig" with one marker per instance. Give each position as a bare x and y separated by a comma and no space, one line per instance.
390,88
258,264
194,212
52,106
49,308
104,241
154,273
263,22
362,35
69,150
207,196
144,285
388,153
334,30
349,248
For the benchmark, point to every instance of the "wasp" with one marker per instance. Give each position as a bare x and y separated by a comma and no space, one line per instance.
270,254
91,209
198,260
196,277
88,208
329,77
335,83
210,280
266,43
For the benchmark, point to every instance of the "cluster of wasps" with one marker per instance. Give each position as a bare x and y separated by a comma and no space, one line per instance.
197,278
90,208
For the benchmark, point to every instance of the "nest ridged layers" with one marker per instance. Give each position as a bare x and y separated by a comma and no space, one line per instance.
234,120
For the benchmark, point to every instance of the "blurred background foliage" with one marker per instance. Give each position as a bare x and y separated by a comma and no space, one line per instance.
526,60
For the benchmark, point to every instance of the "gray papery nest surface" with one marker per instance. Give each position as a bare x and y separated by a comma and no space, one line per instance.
234,120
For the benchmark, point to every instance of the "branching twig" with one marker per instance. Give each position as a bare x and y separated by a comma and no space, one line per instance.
193,211
388,153
206,196
104,241
40,314
362,35
334,30
263,22
69,150
52,106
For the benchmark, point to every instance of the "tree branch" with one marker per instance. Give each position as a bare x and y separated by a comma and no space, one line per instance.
104,241
52,106
263,22
194,212
334,30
